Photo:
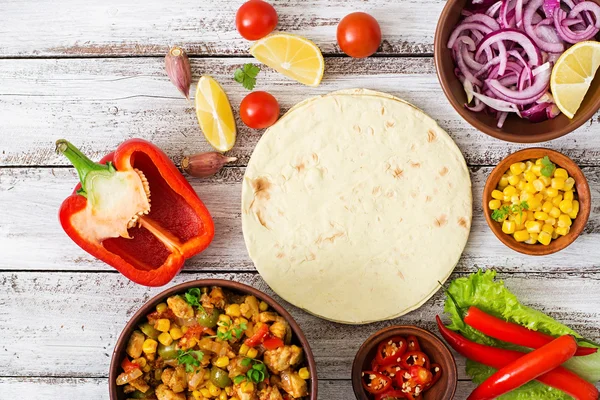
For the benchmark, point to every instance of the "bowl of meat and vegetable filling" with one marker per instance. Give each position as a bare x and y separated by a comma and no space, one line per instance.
212,339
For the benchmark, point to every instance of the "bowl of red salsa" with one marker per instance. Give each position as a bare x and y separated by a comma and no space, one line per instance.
404,362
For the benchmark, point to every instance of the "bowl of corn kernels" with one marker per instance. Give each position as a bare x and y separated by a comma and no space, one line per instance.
537,201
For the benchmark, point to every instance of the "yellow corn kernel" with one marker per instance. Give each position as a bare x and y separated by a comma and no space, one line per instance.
149,346
534,204
541,215
161,307
538,161
521,185
547,228
224,319
214,390
569,195
566,206
544,238
147,368
140,361
556,201
530,188
233,310
247,387
503,181
555,212
163,325
537,170
304,373
165,339
263,306
554,234
205,392
539,185
547,207
563,230
569,184
575,211
514,180
229,390
520,220
564,221
495,204
496,194
509,191
545,180
197,395
233,398
252,353
528,165
244,349
530,215
509,227
533,237
518,168
533,226
551,221
515,199
561,173
558,183
223,396
526,196
176,333
530,176
521,236
222,362
184,329
551,192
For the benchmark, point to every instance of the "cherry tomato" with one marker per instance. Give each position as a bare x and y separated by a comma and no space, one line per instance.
359,35
259,110
255,19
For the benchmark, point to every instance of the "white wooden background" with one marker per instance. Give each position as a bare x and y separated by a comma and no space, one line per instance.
92,72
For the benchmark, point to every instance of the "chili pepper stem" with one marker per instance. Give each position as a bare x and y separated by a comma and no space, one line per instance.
82,164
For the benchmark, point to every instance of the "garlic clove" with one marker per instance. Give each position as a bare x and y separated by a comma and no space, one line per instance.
203,165
179,70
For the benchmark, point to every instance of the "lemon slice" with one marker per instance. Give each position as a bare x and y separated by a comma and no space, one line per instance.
293,56
214,114
572,75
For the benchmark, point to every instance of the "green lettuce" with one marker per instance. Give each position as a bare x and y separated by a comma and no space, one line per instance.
484,292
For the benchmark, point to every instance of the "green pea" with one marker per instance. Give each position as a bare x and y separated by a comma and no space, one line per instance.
219,377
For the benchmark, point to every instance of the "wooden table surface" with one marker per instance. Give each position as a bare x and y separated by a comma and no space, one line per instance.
93,72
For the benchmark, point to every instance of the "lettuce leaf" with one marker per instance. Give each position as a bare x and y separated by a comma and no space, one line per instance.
483,291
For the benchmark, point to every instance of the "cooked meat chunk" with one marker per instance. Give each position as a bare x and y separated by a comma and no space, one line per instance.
134,346
279,329
293,384
140,384
175,379
216,299
282,358
270,393
164,393
180,307
250,308
267,316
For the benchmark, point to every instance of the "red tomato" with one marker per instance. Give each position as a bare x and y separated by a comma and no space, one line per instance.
255,19
359,35
259,110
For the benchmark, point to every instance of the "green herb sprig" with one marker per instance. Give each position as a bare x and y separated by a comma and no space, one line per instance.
504,211
190,358
548,167
247,75
256,374
193,297
237,330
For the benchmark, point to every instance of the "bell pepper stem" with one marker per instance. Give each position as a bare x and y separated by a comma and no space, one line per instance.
82,164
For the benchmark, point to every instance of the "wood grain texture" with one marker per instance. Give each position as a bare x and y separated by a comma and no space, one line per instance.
207,27
98,103
78,318
30,199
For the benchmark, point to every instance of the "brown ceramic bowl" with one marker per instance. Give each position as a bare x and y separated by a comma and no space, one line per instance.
581,187
515,129
431,345
116,392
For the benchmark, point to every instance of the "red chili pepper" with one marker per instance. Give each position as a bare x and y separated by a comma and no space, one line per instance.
390,350
415,358
413,343
129,366
421,375
390,370
408,384
559,378
272,343
512,333
393,394
526,368
375,383
436,374
258,336
110,214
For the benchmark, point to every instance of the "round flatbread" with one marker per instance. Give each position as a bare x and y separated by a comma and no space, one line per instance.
355,205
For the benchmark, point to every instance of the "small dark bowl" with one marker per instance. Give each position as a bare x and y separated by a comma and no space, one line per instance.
431,345
581,187
515,129
116,392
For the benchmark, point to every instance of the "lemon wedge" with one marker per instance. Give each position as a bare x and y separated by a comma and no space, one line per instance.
293,56
214,114
572,75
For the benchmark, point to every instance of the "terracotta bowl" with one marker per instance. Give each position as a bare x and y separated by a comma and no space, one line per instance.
431,345
116,392
581,187
515,129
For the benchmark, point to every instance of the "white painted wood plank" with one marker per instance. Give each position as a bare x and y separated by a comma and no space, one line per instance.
66,325
98,103
32,239
148,27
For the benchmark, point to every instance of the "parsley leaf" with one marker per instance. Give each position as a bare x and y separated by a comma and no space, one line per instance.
246,361
239,379
548,167
257,373
190,358
247,75
193,296
501,213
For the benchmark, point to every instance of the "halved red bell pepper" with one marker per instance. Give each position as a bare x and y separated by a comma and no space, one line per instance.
110,214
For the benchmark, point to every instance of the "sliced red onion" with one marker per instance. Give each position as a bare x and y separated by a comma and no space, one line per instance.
523,97
493,10
484,69
473,26
550,6
483,19
553,111
567,34
528,22
542,68
536,113
548,34
533,54
519,13
504,18
588,6
497,104
464,70
469,61
468,87
546,98
501,119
